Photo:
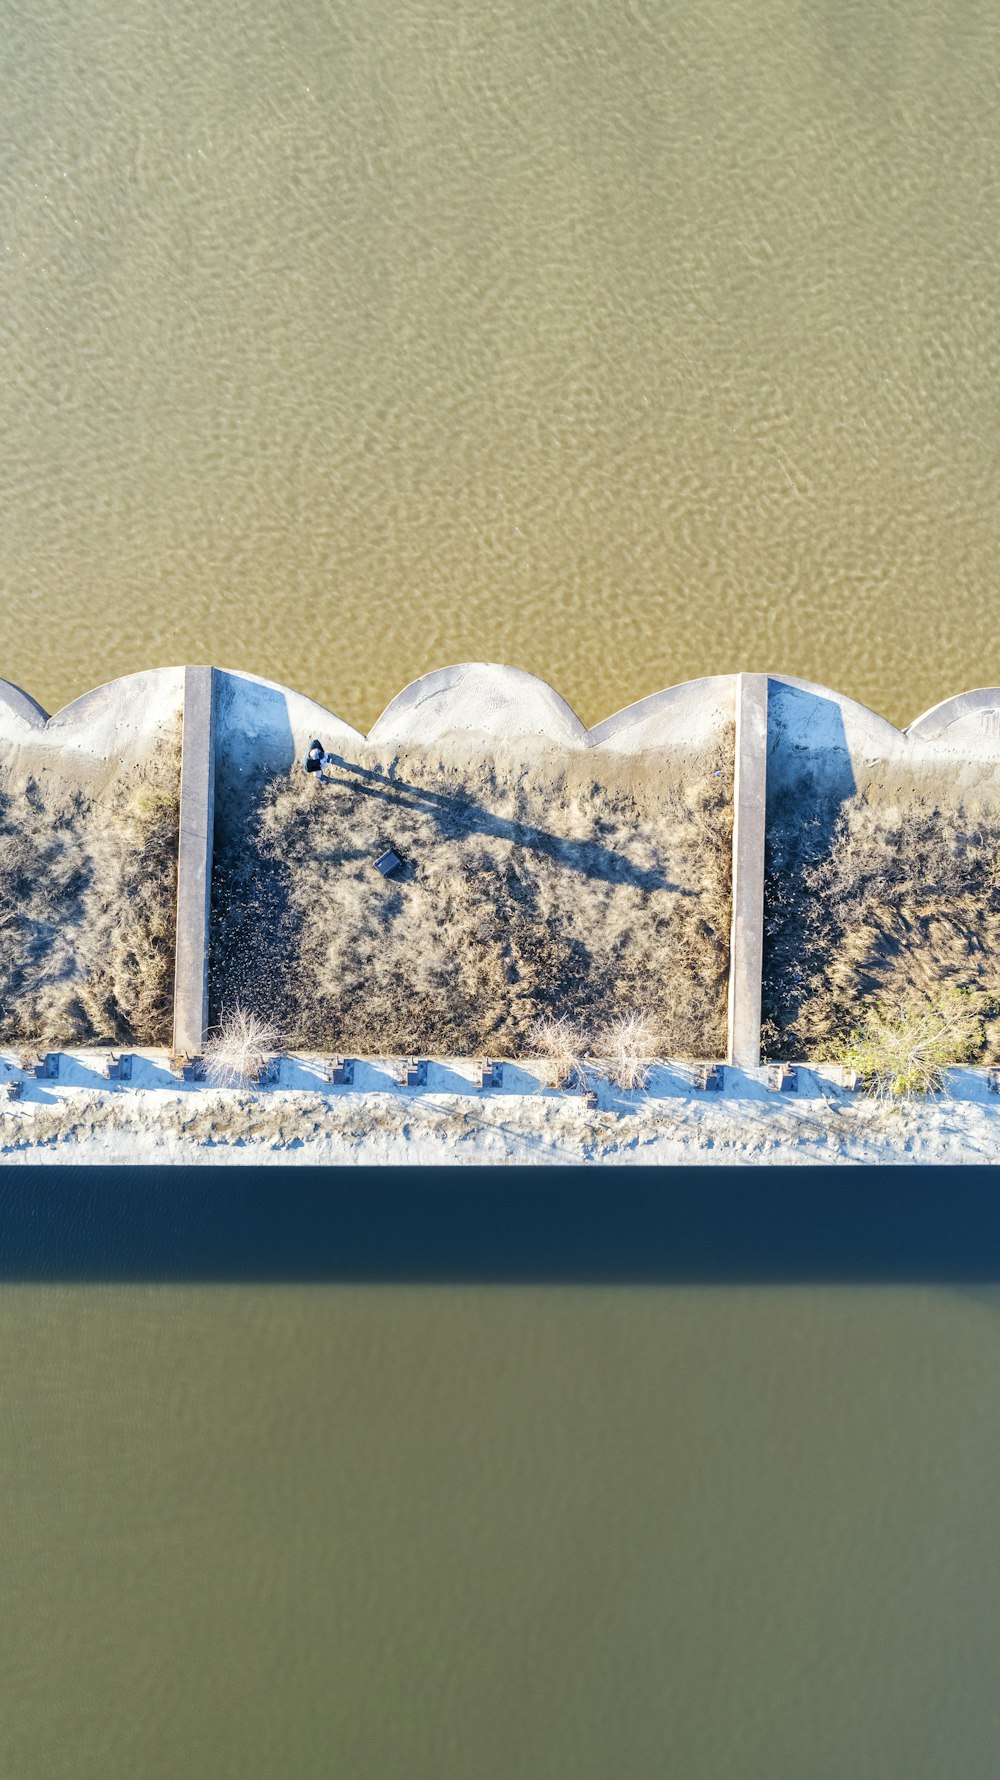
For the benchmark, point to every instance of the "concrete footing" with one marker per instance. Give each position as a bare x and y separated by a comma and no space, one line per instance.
194,861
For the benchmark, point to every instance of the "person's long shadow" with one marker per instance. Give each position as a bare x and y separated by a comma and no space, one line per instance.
456,814
567,1225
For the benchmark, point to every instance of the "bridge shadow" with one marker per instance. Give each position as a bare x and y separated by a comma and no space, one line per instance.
606,1226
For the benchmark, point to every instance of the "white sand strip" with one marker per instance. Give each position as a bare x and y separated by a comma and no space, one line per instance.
80,1117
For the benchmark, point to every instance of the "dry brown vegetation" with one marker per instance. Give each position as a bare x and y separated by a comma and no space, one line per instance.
236,1052
580,885
889,897
87,896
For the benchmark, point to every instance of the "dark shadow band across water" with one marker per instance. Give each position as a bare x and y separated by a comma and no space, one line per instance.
560,1226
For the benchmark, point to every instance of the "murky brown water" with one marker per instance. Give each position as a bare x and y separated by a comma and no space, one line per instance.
624,343
555,1533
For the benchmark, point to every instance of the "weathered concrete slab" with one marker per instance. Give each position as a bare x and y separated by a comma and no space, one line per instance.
194,860
746,954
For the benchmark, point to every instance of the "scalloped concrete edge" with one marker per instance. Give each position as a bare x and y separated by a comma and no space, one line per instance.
544,712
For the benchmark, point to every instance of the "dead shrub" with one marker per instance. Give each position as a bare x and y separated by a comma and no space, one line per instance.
235,1053
561,1044
626,1046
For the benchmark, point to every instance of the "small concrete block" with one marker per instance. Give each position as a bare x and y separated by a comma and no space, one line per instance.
781,1078
708,1078
415,1073
47,1067
341,1074
491,1075
118,1069
850,1080
14,1090
388,862
993,1080
193,1069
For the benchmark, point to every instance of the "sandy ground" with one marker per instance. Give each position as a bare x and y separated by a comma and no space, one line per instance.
81,1118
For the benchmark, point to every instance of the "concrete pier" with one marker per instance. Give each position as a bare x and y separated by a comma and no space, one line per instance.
194,861
746,945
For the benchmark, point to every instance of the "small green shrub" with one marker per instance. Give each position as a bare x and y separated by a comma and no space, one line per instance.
904,1049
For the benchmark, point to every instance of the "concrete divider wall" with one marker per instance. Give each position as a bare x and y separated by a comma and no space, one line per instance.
746,946
194,861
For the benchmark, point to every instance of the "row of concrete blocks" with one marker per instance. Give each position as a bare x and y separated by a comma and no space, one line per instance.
43,1066
412,1072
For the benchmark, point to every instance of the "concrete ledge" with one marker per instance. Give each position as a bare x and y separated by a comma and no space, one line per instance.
746,946
194,861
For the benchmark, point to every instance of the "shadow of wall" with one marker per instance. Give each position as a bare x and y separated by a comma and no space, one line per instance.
253,922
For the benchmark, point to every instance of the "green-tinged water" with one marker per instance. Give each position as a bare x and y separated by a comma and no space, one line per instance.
554,1533
626,343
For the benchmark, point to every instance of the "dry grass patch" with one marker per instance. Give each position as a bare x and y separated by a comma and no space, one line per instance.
626,1046
87,899
577,886
560,1045
888,901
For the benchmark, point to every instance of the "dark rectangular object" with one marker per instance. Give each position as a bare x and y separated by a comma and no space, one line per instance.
119,1069
193,1070
708,1078
491,1075
341,1074
388,862
14,1090
47,1067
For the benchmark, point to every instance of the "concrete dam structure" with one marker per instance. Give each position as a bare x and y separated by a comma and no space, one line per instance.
793,739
